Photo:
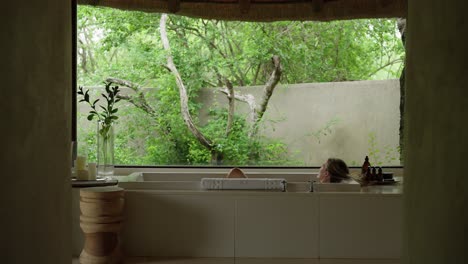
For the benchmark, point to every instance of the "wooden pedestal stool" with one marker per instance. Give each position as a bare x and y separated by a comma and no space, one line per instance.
101,221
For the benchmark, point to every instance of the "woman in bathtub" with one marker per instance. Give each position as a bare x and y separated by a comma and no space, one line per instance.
333,170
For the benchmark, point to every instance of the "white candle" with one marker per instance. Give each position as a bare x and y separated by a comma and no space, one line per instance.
92,171
80,163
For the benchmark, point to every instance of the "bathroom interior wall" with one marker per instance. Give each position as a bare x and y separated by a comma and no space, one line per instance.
35,156
436,184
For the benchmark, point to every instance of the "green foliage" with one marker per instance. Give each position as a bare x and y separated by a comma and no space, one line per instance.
238,149
123,44
107,114
325,130
126,44
380,157
87,141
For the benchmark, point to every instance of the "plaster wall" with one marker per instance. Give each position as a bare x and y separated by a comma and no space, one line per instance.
436,194
322,120
329,119
35,199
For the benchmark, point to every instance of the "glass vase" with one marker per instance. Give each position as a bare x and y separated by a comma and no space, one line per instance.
105,149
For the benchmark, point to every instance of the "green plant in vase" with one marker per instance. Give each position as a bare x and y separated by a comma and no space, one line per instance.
106,115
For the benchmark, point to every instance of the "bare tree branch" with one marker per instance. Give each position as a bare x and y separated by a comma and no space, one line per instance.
384,66
230,97
182,90
247,98
270,86
138,99
267,92
135,87
256,74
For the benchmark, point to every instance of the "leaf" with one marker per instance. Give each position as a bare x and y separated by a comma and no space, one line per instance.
107,88
114,110
114,117
90,117
103,108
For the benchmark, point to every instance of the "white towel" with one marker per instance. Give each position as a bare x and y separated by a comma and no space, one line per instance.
243,184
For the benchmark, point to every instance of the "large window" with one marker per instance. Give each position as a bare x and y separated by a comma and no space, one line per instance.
333,85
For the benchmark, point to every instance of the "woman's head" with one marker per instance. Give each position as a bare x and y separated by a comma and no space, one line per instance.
333,170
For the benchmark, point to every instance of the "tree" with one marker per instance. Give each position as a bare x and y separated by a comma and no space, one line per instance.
222,55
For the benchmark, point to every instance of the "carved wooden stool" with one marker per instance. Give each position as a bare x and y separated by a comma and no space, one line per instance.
101,221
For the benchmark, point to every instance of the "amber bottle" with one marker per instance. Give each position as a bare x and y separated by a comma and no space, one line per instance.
365,166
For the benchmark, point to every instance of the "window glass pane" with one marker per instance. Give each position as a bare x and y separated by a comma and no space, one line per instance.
338,93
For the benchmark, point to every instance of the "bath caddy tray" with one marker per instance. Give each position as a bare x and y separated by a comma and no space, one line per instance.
96,183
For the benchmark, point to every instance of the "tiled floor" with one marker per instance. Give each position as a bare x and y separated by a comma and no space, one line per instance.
252,261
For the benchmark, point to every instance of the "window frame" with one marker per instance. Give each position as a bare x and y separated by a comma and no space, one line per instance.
137,168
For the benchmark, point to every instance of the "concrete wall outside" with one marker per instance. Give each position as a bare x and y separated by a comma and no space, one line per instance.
299,110
436,193
36,89
354,111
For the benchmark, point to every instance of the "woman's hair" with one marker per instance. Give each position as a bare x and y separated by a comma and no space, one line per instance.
337,169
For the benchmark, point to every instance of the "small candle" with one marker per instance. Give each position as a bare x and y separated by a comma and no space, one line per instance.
82,175
80,163
92,171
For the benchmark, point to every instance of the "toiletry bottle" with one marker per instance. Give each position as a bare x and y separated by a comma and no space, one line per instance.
374,173
380,175
368,175
365,165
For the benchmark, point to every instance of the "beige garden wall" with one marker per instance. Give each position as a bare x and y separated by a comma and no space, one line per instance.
319,120
352,112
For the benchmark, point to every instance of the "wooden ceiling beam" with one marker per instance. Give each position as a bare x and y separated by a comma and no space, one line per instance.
244,6
173,6
264,10
318,5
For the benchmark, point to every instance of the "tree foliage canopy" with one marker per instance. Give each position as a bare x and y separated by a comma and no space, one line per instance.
127,45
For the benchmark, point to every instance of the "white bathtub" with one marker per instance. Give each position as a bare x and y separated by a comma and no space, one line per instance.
172,216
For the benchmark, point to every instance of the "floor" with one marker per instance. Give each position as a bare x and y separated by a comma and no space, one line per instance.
143,260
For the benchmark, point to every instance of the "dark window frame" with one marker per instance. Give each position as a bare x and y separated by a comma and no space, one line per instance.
74,134
74,18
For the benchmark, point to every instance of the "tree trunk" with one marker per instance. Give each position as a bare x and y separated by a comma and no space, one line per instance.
230,117
267,92
184,108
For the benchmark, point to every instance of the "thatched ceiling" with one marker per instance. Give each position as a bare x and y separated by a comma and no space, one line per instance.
264,10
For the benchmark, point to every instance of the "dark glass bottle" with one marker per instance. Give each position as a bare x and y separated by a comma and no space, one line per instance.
374,173
368,174
365,165
380,175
